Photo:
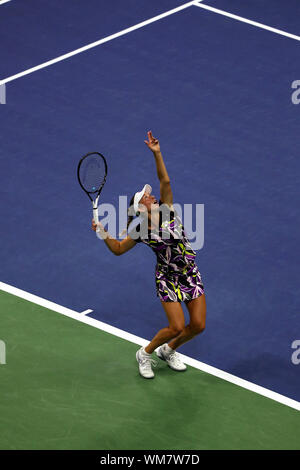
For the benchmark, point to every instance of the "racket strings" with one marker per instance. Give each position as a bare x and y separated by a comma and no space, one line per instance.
92,173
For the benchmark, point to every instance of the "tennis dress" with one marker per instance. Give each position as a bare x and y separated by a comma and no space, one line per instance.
177,276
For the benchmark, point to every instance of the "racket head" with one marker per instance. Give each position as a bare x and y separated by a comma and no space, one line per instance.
91,173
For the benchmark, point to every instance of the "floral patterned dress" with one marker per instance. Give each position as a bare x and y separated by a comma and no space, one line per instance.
176,274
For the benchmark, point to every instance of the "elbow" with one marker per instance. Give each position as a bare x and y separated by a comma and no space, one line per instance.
118,251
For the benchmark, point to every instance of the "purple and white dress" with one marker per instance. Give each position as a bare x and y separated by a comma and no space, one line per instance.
177,276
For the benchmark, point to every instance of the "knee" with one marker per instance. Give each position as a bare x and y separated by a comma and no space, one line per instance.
197,328
177,329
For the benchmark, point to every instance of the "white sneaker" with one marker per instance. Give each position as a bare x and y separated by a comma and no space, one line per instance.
145,364
173,360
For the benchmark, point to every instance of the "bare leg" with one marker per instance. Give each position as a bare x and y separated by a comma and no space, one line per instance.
197,311
175,316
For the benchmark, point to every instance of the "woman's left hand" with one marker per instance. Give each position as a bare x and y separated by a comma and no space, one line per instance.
153,144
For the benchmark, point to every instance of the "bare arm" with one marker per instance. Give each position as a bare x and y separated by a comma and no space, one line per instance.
115,246
166,195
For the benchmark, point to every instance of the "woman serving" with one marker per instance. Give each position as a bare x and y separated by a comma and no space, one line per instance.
177,276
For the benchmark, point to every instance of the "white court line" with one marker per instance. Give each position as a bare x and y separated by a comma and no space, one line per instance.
96,43
140,25
86,312
143,342
4,1
245,20
3,94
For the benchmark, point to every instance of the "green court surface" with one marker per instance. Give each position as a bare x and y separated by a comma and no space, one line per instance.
67,385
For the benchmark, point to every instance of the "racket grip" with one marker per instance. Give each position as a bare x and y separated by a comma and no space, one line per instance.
95,215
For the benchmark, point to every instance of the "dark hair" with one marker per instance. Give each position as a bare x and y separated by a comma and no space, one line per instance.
130,212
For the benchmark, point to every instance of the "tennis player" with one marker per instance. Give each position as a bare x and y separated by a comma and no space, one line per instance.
177,276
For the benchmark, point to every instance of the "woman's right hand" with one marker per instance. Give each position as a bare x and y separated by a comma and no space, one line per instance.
98,226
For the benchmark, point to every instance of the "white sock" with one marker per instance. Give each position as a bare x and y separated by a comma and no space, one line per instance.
145,352
167,349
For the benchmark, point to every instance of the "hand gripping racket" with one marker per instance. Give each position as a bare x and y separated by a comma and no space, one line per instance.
91,173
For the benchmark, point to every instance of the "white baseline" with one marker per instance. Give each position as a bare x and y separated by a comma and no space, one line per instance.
245,20
96,43
141,25
143,342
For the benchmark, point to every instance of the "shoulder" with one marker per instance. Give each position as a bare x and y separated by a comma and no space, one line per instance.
163,205
166,211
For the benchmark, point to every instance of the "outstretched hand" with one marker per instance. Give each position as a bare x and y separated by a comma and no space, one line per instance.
152,143
99,229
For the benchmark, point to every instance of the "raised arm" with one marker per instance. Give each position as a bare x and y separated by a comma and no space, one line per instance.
115,246
166,195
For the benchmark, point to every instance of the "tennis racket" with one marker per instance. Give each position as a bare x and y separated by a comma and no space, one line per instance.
91,173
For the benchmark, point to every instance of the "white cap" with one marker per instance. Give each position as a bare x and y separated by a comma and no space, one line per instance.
138,196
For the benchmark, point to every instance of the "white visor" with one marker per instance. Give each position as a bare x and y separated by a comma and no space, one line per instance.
138,196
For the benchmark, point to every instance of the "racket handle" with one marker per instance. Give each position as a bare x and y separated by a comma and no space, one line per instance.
95,215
